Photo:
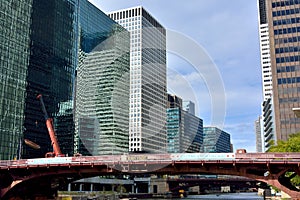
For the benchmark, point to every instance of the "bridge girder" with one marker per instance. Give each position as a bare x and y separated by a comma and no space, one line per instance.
17,177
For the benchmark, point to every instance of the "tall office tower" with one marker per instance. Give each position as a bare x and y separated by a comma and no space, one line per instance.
188,106
37,56
174,124
265,58
192,133
184,130
14,57
258,130
39,53
268,124
147,129
51,69
102,84
174,101
174,130
284,26
216,140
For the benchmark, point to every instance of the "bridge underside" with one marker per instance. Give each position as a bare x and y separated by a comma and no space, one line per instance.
47,180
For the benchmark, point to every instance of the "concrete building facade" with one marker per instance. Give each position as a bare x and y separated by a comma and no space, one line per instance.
258,134
267,86
282,17
148,98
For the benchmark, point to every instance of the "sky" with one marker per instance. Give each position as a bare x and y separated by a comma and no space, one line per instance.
212,59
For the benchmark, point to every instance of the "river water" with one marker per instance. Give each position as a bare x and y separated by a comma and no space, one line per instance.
248,196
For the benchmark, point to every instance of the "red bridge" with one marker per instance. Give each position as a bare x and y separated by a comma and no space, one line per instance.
44,176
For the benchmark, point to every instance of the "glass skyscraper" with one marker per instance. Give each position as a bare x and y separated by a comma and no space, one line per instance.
174,130
42,43
102,84
38,56
14,59
147,125
216,140
184,130
192,138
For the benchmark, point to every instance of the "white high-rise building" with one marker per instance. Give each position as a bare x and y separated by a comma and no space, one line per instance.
268,121
148,98
265,60
188,106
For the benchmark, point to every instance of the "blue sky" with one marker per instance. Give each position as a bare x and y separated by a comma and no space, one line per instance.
227,31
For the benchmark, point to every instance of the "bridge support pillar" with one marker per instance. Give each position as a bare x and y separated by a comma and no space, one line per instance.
295,195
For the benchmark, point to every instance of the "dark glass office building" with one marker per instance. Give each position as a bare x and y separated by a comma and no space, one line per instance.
216,140
14,59
38,56
50,70
42,43
184,130
192,138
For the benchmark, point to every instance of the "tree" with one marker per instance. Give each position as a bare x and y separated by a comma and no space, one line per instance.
291,145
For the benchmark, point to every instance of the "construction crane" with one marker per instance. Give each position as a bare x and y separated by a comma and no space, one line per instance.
49,123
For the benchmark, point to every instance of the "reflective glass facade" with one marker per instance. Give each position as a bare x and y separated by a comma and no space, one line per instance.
174,130
184,130
42,43
102,84
192,138
38,51
14,58
50,71
216,140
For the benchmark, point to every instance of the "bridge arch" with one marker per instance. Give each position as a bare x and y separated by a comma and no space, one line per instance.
271,171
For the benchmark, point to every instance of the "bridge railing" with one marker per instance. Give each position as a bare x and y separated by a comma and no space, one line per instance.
157,158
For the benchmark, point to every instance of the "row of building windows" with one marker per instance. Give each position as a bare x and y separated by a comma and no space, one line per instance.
286,21
293,90
287,40
292,68
286,30
285,3
286,12
288,80
289,100
125,14
288,59
129,20
287,49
